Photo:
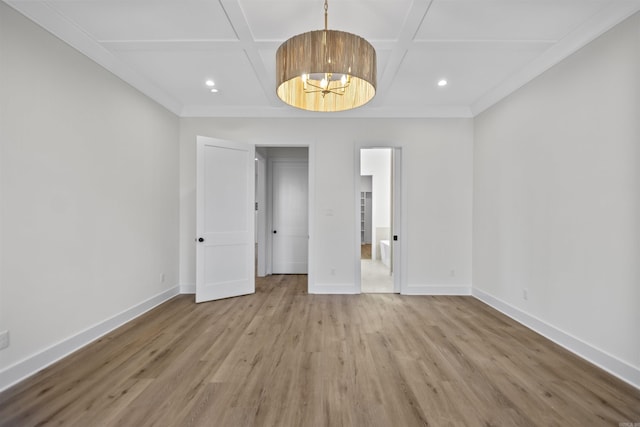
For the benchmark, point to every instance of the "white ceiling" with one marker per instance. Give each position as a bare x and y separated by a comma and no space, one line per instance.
484,48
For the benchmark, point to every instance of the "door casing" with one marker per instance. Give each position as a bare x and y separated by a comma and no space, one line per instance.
265,237
399,216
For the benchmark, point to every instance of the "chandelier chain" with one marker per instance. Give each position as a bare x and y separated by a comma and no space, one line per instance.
326,13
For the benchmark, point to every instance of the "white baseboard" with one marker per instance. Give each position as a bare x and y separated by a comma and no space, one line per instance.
626,372
409,290
32,364
348,289
188,288
436,290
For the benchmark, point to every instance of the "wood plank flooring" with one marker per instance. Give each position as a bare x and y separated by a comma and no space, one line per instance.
285,358
365,251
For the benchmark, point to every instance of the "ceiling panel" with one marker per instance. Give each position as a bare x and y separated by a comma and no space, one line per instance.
148,20
183,75
470,69
282,19
505,19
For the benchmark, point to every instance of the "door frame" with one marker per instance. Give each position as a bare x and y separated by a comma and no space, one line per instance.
266,236
261,214
399,215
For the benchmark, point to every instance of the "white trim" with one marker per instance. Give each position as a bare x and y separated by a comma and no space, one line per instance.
32,364
268,206
349,289
623,370
188,288
311,263
436,290
372,112
261,214
357,242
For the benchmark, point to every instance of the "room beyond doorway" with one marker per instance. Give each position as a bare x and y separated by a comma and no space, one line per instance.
376,214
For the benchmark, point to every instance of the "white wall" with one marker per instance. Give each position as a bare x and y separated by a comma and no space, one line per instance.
437,166
89,197
557,202
377,163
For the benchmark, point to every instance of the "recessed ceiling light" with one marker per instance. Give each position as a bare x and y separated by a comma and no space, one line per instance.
214,90
210,83
442,82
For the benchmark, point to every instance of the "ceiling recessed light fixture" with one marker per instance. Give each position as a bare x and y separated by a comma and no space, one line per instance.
210,83
326,70
214,90
442,82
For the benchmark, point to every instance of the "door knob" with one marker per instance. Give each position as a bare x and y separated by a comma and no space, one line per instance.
275,231
200,239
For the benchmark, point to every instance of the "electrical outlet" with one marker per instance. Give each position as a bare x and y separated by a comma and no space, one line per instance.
4,339
161,277
525,294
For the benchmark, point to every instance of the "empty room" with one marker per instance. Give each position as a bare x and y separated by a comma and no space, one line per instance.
311,212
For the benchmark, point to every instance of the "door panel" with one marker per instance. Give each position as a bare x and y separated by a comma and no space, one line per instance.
290,217
396,230
225,222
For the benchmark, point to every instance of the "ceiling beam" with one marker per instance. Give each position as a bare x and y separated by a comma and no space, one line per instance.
413,20
240,25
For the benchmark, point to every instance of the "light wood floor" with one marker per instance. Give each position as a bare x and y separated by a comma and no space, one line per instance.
285,358
365,251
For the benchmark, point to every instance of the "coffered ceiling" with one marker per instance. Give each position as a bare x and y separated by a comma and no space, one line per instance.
485,49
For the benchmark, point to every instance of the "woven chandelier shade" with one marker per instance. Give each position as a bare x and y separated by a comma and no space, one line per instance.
336,54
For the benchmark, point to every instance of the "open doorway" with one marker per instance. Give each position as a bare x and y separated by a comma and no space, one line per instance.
377,225
282,210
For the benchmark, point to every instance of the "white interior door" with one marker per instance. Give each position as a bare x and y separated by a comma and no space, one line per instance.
261,205
396,220
224,219
290,222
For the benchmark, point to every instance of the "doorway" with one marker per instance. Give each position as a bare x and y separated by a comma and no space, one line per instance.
282,210
233,214
379,219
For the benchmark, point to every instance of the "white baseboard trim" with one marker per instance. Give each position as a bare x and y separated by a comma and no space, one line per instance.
436,290
623,370
188,288
348,289
32,364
